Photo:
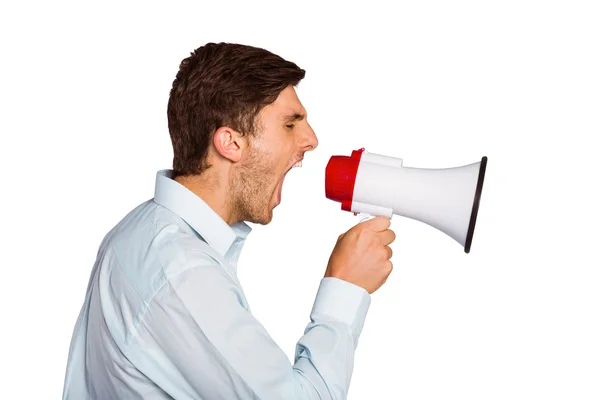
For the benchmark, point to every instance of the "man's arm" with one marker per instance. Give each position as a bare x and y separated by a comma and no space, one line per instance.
197,341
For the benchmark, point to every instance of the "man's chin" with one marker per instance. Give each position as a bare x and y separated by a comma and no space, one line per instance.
264,219
269,217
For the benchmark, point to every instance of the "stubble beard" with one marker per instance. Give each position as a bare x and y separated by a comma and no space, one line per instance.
253,189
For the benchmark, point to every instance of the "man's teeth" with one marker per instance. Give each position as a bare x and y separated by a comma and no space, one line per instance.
298,164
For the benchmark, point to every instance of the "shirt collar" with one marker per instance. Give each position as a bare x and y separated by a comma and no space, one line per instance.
199,215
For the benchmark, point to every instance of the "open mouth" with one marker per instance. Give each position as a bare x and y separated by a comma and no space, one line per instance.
298,164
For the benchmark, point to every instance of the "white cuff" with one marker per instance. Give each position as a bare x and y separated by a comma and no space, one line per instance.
341,301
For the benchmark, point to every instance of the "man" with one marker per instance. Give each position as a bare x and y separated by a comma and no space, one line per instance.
164,314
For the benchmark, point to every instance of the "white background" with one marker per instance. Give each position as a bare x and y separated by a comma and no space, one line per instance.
83,96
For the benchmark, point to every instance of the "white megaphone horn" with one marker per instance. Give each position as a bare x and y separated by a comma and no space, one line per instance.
446,199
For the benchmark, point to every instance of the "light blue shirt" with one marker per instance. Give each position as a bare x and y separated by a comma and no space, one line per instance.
165,316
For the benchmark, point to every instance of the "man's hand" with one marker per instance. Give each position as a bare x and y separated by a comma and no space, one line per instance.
362,256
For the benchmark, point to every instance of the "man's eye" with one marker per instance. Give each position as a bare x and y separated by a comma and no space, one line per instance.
290,126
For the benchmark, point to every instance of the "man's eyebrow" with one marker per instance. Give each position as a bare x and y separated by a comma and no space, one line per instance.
293,117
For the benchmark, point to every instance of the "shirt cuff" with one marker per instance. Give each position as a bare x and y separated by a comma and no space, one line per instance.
341,301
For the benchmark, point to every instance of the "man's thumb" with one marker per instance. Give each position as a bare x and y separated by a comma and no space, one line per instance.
379,223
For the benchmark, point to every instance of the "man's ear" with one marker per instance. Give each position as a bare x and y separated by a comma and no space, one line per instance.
229,143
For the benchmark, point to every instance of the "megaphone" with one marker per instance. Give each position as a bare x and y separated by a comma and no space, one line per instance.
373,184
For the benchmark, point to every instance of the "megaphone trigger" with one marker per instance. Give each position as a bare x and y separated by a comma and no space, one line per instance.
364,216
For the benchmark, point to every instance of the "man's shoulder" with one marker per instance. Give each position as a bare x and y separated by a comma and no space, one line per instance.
147,249
151,245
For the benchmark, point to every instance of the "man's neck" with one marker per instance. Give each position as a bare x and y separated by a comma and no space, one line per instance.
213,191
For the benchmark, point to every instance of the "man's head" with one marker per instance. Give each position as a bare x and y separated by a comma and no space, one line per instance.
234,115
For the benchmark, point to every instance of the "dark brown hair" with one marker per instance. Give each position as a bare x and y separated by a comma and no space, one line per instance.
221,84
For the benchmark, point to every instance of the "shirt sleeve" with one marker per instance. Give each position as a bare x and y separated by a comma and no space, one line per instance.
197,341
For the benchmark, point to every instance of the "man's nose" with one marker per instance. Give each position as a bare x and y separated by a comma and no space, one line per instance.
310,141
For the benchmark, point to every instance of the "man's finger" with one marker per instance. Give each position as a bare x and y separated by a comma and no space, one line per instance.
386,237
390,252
